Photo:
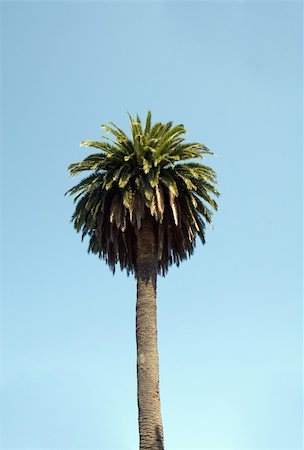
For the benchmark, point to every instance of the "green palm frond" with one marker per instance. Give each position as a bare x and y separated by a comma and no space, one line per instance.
154,173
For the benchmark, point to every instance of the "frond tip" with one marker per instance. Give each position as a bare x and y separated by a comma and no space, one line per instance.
153,173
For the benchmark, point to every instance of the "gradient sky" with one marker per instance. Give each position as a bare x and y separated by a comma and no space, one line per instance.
230,318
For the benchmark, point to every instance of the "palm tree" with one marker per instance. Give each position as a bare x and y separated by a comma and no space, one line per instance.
142,206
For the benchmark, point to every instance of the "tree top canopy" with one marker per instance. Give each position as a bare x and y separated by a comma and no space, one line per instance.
154,173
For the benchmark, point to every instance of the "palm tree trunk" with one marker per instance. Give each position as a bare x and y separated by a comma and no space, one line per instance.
149,416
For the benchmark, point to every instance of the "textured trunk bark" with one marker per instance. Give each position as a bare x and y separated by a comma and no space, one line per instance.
149,415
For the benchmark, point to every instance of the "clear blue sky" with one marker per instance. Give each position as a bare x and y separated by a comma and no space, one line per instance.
230,318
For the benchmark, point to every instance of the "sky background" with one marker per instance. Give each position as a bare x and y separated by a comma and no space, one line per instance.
230,319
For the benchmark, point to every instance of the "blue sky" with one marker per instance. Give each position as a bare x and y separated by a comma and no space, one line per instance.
230,319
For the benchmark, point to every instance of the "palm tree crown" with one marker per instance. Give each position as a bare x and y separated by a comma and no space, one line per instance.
151,175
